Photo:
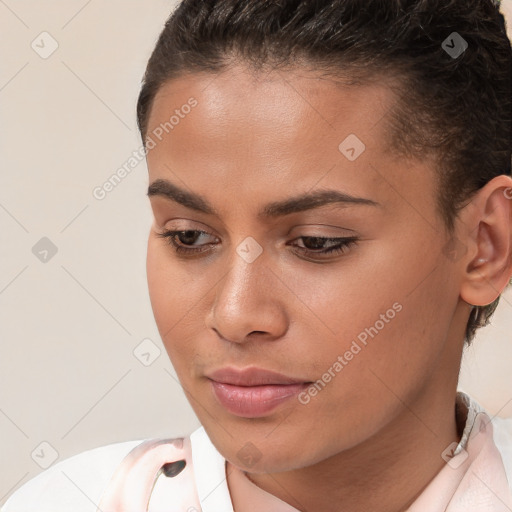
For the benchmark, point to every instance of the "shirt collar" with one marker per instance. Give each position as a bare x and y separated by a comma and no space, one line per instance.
473,477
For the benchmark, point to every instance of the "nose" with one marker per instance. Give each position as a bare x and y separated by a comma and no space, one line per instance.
247,303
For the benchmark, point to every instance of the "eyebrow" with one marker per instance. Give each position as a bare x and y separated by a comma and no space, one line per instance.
307,201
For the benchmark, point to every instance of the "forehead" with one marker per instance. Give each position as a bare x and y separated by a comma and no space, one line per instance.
292,105
276,132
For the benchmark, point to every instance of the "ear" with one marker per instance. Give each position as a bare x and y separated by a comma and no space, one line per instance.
488,261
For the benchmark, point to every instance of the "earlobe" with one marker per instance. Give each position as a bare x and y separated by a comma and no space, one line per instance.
489,270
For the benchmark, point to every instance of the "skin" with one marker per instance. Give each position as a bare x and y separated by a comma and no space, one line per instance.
373,437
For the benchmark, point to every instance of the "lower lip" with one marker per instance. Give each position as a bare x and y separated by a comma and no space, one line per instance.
254,401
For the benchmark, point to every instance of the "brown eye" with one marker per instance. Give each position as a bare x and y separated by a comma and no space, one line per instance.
315,245
184,241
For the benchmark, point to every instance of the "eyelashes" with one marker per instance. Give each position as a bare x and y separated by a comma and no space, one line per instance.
182,242
181,247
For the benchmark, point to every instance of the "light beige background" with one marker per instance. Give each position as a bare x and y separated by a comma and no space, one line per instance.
69,327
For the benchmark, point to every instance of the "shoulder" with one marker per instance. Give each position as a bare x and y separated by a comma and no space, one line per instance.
148,474
502,434
74,484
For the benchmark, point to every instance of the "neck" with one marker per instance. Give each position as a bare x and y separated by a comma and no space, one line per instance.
387,472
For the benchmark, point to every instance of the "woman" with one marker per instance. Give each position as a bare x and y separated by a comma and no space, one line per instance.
331,190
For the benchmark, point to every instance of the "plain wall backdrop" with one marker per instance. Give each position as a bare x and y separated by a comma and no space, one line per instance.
74,306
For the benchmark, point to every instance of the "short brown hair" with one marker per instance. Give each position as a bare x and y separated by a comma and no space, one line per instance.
456,108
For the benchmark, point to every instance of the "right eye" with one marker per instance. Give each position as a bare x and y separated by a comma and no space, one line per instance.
181,241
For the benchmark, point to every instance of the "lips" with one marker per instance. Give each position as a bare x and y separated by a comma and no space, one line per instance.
251,377
253,392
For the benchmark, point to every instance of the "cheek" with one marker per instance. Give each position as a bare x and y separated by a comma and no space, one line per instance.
160,282
173,287
401,349
177,298
167,293
391,323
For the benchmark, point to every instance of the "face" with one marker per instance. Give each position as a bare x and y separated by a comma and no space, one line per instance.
348,295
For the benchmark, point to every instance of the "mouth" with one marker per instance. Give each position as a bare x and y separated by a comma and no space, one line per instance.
253,392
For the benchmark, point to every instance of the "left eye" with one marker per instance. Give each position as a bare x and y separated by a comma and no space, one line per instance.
183,242
337,245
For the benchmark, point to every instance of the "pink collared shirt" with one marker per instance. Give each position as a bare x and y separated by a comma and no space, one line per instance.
128,477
